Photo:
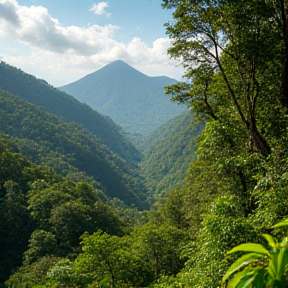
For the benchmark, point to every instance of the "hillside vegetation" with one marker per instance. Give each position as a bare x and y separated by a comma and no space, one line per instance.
46,138
53,212
171,149
132,99
40,93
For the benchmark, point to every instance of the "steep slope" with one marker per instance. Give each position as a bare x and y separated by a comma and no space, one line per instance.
170,151
132,99
28,209
47,138
39,92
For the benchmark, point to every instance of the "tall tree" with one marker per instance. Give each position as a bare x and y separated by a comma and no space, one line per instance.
225,42
281,15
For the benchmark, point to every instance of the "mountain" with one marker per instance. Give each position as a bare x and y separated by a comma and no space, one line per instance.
132,99
169,153
69,148
39,92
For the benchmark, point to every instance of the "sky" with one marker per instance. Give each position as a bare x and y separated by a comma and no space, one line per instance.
61,41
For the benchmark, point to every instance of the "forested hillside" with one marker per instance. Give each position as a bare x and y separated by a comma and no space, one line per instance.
170,150
51,211
217,229
40,93
132,99
68,148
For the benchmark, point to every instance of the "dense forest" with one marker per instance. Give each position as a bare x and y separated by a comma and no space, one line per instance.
76,212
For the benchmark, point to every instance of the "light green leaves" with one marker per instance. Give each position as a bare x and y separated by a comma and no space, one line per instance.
265,268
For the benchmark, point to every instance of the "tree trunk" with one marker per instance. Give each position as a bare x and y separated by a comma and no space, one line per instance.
258,140
284,16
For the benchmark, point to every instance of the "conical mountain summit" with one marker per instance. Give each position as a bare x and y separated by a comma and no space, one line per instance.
135,101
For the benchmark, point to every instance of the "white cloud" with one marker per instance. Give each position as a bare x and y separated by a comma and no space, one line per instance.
34,26
61,54
99,8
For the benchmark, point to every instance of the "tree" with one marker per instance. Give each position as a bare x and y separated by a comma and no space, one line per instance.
34,275
160,246
109,260
41,243
15,228
226,42
222,228
281,15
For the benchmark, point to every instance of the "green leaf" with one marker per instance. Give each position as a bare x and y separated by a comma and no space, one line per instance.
240,263
236,279
250,247
259,281
281,224
247,280
282,262
270,240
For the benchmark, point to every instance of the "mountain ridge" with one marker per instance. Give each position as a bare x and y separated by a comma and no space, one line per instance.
134,100
40,93
66,146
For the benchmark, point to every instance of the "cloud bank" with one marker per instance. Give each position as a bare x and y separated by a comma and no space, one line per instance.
75,51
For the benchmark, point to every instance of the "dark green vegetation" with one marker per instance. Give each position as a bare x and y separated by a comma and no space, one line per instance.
236,55
132,99
68,148
169,152
51,211
40,93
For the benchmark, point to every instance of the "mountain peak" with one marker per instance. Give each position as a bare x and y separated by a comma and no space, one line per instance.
118,62
119,67
131,98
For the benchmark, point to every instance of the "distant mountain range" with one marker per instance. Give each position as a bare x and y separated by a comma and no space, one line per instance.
132,99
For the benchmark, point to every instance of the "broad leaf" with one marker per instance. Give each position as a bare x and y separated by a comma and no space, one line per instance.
240,263
281,224
259,281
270,240
237,277
250,247
247,280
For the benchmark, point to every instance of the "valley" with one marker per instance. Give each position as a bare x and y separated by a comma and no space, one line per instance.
59,155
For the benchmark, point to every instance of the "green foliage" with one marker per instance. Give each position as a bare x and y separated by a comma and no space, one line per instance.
40,93
172,209
33,275
160,246
63,274
170,152
14,228
260,266
41,243
68,145
270,193
110,261
68,209
51,211
223,228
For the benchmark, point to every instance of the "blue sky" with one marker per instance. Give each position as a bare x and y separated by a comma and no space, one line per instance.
62,41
